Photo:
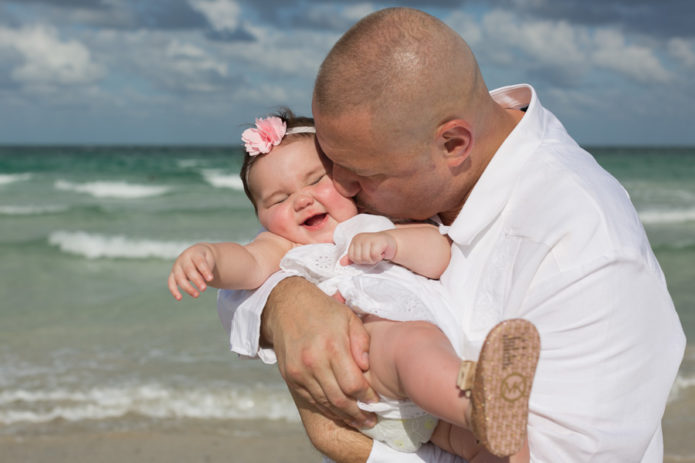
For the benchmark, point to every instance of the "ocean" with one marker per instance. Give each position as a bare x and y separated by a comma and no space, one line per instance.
91,339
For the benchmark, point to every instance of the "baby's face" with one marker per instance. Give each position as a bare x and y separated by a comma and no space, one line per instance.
294,197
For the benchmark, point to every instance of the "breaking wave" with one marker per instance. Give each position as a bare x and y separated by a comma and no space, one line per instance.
95,245
220,180
150,400
118,190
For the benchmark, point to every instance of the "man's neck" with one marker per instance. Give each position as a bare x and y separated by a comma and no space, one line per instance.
508,120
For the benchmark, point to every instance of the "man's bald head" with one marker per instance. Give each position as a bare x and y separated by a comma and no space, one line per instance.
405,67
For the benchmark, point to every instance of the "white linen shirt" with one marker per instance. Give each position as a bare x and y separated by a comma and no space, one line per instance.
549,236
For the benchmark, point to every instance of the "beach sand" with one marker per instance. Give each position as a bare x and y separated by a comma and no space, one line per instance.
254,441
199,442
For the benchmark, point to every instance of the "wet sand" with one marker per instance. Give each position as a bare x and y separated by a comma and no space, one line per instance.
206,443
252,441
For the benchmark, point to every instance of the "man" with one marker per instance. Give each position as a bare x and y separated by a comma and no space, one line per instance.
539,230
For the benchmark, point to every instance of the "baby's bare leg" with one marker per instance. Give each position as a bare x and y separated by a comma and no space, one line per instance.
460,441
415,360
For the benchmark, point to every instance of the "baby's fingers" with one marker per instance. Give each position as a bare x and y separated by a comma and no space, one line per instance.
376,252
356,252
365,253
194,276
183,281
173,289
203,268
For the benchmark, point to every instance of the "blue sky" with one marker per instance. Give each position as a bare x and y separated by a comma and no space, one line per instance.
616,72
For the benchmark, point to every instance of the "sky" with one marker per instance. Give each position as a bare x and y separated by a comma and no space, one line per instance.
616,72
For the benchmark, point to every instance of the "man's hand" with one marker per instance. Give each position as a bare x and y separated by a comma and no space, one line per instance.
321,347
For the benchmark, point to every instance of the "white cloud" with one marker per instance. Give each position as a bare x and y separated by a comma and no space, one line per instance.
47,60
559,48
221,14
636,62
683,51
295,53
358,11
191,59
265,94
467,26
162,62
547,43
192,68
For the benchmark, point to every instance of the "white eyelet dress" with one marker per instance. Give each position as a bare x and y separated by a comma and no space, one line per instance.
388,291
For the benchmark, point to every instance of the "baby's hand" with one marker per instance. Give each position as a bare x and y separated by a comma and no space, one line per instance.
196,265
370,248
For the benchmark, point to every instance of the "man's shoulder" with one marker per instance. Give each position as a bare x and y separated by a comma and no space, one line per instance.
565,194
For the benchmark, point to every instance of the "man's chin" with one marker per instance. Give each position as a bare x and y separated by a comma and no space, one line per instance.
366,209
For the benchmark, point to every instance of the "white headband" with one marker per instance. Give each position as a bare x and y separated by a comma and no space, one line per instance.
301,129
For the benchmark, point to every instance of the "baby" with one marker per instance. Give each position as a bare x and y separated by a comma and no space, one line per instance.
384,273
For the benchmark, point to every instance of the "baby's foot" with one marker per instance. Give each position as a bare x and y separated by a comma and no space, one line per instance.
499,385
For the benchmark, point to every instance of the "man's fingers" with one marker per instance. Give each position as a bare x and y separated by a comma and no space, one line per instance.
341,403
359,343
312,393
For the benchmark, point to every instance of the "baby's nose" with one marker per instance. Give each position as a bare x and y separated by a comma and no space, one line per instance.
303,200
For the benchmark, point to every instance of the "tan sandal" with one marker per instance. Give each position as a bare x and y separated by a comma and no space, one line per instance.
499,385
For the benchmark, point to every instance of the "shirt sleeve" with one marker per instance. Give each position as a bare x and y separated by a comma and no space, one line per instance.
428,453
240,314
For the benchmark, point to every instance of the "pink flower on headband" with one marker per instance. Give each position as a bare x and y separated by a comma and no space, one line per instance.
267,133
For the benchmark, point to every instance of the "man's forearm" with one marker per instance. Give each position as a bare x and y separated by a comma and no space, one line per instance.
336,441
288,289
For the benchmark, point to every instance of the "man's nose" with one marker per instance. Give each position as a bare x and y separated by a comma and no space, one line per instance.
345,181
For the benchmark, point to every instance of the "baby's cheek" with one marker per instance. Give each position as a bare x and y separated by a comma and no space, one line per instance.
275,222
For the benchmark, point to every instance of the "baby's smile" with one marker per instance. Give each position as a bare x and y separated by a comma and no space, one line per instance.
315,221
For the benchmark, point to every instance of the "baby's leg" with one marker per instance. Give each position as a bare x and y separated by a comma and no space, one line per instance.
415,360
459,441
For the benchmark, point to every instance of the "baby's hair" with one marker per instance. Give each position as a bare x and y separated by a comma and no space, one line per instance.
291,121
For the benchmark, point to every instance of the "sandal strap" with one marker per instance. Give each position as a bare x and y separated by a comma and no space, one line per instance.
466,376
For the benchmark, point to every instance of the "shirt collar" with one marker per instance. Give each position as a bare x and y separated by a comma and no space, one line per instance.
493,190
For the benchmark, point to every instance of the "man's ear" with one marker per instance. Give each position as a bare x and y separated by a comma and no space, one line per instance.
455,141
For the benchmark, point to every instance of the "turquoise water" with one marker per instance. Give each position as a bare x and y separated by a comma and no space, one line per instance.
91,336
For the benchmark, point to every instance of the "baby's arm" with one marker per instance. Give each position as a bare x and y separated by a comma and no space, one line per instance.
417,247
227,265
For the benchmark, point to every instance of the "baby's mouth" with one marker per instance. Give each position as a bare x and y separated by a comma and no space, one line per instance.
315,220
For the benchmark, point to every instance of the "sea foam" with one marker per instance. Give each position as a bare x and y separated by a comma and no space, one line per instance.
94,245
188,163
220,180
680,385
6,179
119,190
150,400
31,210
656,216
